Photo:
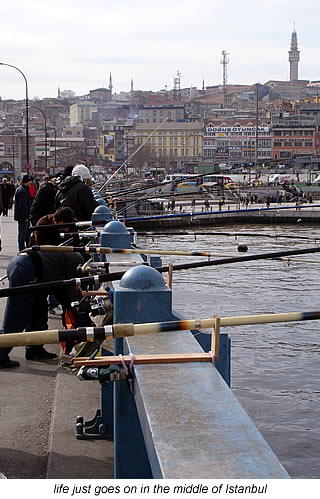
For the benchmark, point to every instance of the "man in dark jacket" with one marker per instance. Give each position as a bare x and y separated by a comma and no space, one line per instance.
7,195
22,205
43,203
74,192
29,312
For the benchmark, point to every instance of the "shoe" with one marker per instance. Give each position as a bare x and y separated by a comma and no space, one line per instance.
40,354
8,364
56,310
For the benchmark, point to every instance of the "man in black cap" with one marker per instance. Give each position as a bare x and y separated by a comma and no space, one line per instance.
22,205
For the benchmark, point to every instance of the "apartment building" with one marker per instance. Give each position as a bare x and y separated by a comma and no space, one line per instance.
176,142
234,141
294,136
156,113
81,113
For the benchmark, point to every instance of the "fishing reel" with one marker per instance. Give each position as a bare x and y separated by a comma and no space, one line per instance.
103,374
97,306
94,306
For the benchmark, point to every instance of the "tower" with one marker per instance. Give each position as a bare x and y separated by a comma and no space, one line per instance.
225,61
110,83
176,86
294,56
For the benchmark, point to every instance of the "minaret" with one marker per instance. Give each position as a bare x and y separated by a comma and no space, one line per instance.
294,56
110,83
131,88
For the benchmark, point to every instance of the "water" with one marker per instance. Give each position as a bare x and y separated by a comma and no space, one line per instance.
275,367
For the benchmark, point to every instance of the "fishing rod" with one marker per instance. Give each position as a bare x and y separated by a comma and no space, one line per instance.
106,250
125,330
205,213
67,225
89,234
165,183
109,277
132,155
234,234
155,194
95,234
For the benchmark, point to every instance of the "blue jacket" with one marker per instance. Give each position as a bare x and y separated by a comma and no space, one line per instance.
22,203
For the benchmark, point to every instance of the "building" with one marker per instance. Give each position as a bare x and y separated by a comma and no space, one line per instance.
13,153
81,113
294,138
100,95
234,141
156,112
291,90
116,141
173,143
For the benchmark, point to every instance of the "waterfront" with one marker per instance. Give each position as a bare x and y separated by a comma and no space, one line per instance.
274,367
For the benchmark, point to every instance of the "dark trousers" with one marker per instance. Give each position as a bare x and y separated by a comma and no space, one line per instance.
5,207
27,312
23,235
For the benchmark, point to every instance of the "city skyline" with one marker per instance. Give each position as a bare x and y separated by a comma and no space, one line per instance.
76,45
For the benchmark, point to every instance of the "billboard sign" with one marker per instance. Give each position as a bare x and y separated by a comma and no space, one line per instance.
109,144
238,129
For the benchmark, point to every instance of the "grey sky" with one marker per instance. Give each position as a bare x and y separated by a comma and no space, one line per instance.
75,44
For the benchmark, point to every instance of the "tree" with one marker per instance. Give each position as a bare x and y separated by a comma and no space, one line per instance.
67,94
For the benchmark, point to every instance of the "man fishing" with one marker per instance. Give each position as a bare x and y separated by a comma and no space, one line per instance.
29,312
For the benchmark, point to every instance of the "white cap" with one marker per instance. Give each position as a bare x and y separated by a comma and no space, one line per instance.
81,171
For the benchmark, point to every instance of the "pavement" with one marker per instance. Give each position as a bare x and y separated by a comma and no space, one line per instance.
39,404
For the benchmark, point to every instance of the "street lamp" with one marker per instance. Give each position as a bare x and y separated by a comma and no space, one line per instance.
55,147
45,136
27,106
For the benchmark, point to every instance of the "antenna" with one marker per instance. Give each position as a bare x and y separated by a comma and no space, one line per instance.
225,61
176,86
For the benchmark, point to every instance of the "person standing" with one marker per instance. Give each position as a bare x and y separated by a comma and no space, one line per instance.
43,203
22,205
75,193
13,190
29,312
32,189
7,194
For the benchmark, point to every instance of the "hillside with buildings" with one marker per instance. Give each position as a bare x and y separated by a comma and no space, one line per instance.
238,125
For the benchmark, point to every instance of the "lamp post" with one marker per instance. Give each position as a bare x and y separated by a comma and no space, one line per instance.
55,148
45,136
27,107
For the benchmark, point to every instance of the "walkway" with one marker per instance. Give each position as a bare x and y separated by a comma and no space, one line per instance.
39,403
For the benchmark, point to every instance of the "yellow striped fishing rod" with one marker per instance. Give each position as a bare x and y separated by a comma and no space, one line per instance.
125,330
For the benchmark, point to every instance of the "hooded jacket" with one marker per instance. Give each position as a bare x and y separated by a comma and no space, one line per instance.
74,193
43,203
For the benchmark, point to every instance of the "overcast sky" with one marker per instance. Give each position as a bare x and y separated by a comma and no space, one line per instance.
75,44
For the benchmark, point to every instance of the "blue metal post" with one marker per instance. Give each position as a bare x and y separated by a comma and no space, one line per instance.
141,297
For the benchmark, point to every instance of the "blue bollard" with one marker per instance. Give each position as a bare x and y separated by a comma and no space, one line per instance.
141,297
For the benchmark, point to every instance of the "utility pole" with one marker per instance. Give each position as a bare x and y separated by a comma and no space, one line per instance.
257,123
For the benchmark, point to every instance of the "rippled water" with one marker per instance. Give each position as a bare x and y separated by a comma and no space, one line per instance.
275,367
